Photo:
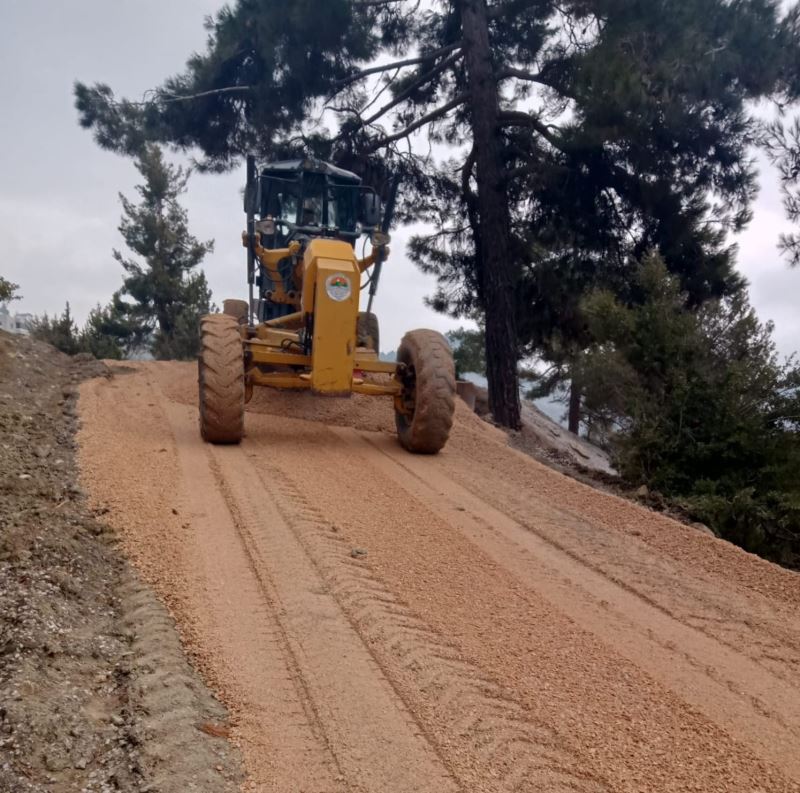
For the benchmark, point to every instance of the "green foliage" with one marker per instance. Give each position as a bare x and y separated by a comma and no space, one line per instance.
106,333
469,350
162,297
782,142
60,331
696,405
268,62
8,291
99,337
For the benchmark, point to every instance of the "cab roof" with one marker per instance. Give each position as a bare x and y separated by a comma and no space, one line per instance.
309,165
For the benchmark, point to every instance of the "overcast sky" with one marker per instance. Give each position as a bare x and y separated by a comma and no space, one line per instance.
59,208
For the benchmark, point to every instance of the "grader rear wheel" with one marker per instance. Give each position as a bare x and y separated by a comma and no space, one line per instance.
237,309
424,411
368,332
221,379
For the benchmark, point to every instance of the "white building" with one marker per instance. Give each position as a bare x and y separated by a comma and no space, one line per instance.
14,323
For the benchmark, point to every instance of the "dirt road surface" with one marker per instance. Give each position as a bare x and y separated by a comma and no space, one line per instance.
473,621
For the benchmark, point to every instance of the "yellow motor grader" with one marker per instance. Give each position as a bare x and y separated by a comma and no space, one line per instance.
301,327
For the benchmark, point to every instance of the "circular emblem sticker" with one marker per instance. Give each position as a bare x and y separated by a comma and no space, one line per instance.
338,287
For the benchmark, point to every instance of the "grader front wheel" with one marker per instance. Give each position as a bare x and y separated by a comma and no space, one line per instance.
424,411
221,379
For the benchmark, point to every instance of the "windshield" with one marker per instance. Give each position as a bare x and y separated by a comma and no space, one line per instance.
312,200
281,198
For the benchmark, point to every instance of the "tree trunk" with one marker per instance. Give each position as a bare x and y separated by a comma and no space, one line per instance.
496,272
574,413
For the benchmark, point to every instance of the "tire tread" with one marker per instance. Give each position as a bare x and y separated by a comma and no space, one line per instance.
430,355
221,379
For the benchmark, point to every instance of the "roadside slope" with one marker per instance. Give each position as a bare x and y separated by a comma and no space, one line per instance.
95,691
474,621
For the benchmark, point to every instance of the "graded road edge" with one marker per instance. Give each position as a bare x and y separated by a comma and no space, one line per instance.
474,621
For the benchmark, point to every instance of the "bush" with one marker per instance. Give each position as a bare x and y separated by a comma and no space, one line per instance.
103,336
60,331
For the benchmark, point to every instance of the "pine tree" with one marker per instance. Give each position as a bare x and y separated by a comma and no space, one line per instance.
584,133
163,296
469,350
8,291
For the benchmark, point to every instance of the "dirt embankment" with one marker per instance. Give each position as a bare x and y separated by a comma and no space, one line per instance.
377,621
95,692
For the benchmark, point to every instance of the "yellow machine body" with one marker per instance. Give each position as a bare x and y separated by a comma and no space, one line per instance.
331,290
328,283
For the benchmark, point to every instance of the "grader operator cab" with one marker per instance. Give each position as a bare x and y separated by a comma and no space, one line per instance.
301,327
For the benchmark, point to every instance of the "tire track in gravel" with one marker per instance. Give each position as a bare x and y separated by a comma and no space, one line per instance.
238,626
728,686
484,735
377,744
606,710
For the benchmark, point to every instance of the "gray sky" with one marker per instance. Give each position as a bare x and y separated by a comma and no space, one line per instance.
59,209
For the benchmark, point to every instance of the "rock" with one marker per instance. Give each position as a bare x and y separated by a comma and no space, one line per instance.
482,401
42,452
643,492
702,527
468,392
56,759
358,552
578,450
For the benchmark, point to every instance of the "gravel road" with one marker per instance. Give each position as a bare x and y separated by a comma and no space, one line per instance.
474,621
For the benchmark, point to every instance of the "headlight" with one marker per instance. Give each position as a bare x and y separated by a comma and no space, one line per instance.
266,226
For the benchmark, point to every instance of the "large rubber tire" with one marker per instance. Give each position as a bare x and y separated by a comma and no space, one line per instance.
368,333
237,309
430,392
221,379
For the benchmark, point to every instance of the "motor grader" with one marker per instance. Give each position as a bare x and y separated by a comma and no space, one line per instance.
301,328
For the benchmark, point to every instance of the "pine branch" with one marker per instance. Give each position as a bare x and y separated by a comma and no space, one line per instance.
157,96
420,122
229,90
401,97
517,118
386,67
521,74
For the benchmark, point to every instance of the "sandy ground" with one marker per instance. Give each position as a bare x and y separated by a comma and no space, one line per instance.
377,621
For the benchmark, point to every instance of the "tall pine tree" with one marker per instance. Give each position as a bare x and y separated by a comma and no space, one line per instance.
163,294
582,133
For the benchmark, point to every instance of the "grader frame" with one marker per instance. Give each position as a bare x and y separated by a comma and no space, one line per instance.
311,335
